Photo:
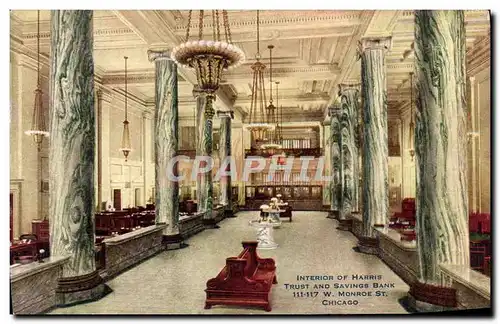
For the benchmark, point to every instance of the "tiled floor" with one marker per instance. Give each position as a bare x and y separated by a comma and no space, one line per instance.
173,282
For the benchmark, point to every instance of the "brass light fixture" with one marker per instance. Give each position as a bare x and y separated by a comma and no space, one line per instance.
272,145
38,128
125,148
257,124
412,122
208,57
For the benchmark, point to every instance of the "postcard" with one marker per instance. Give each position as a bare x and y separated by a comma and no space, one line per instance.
250,162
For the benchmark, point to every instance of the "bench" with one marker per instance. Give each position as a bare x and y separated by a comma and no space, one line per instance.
246,280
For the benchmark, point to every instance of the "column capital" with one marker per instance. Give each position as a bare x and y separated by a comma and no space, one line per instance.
156,55
333,110
147,114
103,94
347,86
384,43
225,114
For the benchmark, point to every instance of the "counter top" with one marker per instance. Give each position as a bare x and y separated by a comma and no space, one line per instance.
25,270
394,236
133,235
472,279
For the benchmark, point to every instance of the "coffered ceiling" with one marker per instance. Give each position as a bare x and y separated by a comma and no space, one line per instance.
314,51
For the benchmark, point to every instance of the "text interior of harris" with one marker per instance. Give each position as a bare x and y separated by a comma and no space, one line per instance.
93,212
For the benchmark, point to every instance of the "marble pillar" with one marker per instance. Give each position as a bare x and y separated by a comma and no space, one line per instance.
326,149
166,134
204,122
349,98
375,151
71,154
226,198
335,165
441,151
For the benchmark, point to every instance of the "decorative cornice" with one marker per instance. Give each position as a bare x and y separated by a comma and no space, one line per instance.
315,68
400,66
99,32
284,18
143,76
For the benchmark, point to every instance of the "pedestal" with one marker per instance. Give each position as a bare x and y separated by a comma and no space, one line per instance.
264,235
368,245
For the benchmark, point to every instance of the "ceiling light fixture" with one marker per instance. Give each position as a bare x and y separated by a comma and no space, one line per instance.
125,148
257,124
209,57
38,128
412,122
272,146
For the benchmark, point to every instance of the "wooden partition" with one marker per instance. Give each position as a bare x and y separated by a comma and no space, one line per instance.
299,197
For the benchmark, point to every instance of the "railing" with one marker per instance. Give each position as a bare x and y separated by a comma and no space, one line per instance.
296,152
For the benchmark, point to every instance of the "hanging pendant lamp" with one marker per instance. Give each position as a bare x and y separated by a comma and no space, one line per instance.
209,58
257,124
125,148
412,122
272,145
38,128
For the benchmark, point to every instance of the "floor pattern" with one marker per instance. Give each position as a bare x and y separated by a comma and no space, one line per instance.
173,282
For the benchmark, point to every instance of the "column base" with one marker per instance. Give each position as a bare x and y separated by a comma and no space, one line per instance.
80,289
368,245
345,224
333,214
173,242
210,223
431,298
228,213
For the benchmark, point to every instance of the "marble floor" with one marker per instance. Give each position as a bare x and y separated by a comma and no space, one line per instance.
173,282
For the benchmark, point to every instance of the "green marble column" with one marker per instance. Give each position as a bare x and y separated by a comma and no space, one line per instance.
440,147
204,185
375,150
166,134
349,97
335,160
71,154
226,198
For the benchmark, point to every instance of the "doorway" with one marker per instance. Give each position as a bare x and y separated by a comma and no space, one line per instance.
117,199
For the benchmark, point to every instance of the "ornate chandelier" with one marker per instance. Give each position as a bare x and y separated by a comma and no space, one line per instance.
125,148
209,57
412,122
257,124
38,129
272,146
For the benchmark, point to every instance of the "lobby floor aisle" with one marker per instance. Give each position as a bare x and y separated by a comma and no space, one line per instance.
173,282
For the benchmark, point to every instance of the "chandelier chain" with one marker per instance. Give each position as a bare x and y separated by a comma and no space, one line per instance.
258,36
38,49
201,25
214,34
189,25
226,24
218,24
271,72
126,89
